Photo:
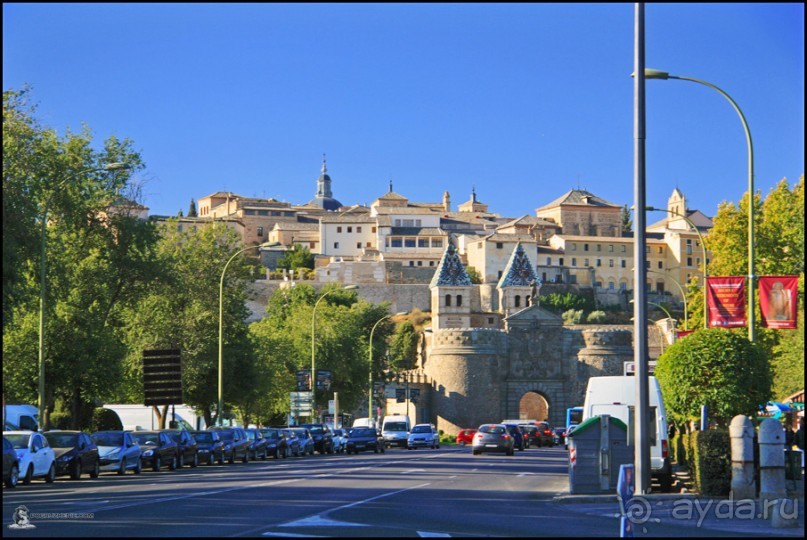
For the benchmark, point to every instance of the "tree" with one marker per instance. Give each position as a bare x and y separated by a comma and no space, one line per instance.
473,274
714,367
627,223
297,257
403,349
192,210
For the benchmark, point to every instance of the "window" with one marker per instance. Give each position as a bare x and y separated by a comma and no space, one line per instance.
448,300
358,245
573,247
518,300
623,286
411,263
623,248
500,274
499,245
336,245
396,242
599,247
585,263
560,261
490,320
459,300
423,242
358,229
611,263
660,265
260,231
610,247
373,229
549,261
431,263
249,212
179,228
311,245
397,222
623,263
585,247
689,246
574,261
263,212
339,229
599,262
689,261
598,284
420,263
350,229
610,285
437,242
410,242
660,249
368,244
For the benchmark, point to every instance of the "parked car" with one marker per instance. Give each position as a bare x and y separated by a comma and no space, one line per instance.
545,434
236,444
493,438
75,452
516,434
465,436
275,442
423,436
257,443
187,447
558,436
323,437
11,465
306,440
36,458
293,444
118,450
364,438
209,446
532,435
339,441
158,449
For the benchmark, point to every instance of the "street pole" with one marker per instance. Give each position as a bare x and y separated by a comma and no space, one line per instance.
640,352
656,74
683,295
41,357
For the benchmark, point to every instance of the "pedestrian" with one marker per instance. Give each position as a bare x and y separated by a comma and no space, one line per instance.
800,434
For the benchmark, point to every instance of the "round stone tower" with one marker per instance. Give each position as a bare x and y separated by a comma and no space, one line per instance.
605,352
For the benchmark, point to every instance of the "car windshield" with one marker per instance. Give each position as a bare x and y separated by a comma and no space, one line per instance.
174,435
363,432
494,430
203,437
316,430
300,433
270,433
62,440
226,435
250,435
147,438
338,432
108,439
395,426
19,441
421,429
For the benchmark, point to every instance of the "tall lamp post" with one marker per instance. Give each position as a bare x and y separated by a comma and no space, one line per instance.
703,246
221,341
683,294
313,357
370,364
106,168
656,74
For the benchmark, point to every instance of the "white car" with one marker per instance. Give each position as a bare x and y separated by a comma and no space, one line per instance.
339,441
423,436
35,454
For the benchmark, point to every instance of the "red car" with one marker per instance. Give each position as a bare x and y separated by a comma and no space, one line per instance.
466,436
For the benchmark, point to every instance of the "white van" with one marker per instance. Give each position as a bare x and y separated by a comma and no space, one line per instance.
395,430
616,396
20,417
363,422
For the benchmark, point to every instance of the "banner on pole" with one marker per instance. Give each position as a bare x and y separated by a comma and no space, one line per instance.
725,298
778,296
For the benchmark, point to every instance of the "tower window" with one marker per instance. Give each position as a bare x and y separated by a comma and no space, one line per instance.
448,300
459,300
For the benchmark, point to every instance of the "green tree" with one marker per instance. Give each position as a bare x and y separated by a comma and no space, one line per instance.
627,222
298,257
403,349
192,209
714,367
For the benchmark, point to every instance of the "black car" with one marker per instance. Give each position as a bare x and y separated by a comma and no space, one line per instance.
545,434
323,437
293,443
11,465
364,438
257,443
209,446
186,447
236,443
158,449
531,434
276,445
75,453
518,436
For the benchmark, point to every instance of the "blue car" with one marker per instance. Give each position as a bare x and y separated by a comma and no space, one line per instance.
118,451
517,434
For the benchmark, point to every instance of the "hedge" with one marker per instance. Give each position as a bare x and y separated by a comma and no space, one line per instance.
711,457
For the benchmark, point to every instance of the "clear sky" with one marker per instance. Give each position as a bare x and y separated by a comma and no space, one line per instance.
521,101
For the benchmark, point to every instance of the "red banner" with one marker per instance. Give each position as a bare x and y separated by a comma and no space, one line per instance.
725,297
778,296
682,333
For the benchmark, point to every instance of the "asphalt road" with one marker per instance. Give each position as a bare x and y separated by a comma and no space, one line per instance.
446,492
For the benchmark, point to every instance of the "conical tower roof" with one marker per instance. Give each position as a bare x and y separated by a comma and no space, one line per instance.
450,272
519,271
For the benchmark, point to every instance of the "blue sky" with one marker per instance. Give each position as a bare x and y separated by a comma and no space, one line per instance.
521,101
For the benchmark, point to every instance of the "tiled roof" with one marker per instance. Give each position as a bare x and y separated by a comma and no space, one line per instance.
450,271
579,197
519,271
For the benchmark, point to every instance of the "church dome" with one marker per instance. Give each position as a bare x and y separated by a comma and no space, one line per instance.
324,198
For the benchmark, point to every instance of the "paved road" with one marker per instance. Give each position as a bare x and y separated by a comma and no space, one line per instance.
446,492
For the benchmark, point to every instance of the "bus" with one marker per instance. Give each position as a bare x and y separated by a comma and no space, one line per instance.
574,415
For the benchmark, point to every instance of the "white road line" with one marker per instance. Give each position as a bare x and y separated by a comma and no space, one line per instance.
427,534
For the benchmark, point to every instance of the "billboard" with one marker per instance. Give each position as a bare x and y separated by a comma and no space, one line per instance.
778,299
725,298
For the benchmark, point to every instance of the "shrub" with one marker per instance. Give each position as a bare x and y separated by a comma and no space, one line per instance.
712,462
572,317
559,303
596,317
59,420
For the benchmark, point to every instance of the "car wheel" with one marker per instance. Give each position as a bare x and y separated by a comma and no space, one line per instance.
122,468
139,467
174,463
666,482
51,476
75,471
195,460
476,452
221,458
510,452
29,475
232,458
157,464
181,462
13,477
246,457
96,469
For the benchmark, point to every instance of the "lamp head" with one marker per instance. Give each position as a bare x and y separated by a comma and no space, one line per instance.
653,74
116,166
350,287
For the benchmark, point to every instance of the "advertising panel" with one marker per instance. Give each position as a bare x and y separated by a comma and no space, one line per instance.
725,298
778,296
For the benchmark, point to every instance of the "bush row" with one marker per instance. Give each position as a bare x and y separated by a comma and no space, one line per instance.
707,455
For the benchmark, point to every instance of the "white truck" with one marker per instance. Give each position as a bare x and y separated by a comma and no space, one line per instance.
20,417
134,417
616,396
395,430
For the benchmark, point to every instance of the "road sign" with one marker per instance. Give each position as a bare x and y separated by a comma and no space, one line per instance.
303,379
331,406
162,377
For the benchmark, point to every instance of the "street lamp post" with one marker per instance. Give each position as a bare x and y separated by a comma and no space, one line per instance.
683,294
703,246
221,341
656,74
106,168
313,357
370,364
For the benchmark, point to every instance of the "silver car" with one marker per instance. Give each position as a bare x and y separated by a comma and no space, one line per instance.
118,450
423,436
493,438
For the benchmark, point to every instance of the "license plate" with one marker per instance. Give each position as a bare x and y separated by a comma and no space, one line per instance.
491,446
359,446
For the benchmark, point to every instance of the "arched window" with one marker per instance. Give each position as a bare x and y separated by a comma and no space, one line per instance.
448,300
518,300
459,300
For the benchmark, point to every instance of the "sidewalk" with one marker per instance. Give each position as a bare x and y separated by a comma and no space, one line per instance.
747,517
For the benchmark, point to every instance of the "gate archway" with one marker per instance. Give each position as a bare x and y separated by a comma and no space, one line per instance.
533,406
